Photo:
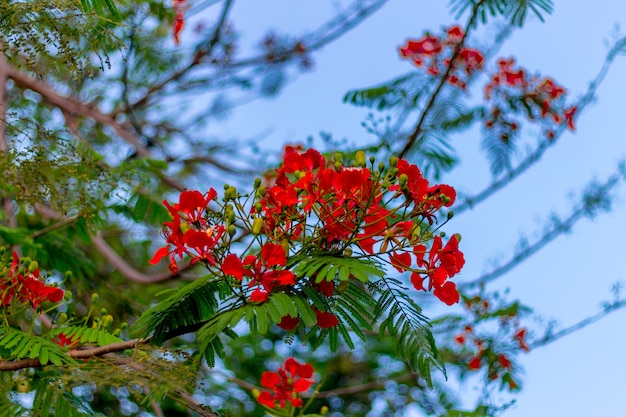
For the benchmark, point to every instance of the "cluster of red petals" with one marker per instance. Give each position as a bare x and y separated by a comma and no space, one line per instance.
198,239
179,7
540,98
26,287
265,272
284,385
434,53
442,263
520,337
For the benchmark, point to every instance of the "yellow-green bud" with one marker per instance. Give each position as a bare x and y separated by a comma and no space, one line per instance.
116,332
402,179
107,321
372,159
257,226
343,285
230,216
68,275
338,158
124,326
256,392
359,156
262,190
442,234
257,182
226,187
258,207
381,166
450,214
32,267
347,252
458,237
26,260
393,161
62,318
232,230
94,298
103,311
285,244
230,193
338,165
323,410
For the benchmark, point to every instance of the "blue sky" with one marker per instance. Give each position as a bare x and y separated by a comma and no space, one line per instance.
582,374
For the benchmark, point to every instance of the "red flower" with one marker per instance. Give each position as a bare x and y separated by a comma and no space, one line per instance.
263,273
283,385
441,265
36,292
455,34
460,339
520,336
474,363
232,265
325,320
569,117
288,322
179,19
428,45
400,261
504,361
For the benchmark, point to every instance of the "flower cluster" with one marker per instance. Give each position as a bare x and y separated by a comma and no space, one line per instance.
512,91
179,7
24,285
285,384
311,206
434,53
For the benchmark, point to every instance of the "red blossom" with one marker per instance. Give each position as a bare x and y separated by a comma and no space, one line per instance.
283,385
520,336
263,273
428,45
232,265
474,363
569,117
504,361
325,320
460,339
288,322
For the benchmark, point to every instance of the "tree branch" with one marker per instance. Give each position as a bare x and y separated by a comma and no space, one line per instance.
412,139
76,354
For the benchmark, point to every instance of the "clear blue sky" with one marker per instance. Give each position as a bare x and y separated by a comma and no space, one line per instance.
580,375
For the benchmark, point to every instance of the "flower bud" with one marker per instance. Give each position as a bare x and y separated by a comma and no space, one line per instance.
230,193
107,321
94,298
338,158
343,285
117,332
338,165
359,156
323,410
257,182
393,161
285,244
381,166
442,234
257,226
232,230
32,267
62,318
347,252
256,392
103,311
258,207
68,275
402,179
458,237
450,214
124,326
26,260
372,159
262,190
226,187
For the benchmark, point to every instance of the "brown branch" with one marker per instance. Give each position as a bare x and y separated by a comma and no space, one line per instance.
114,259
412,139
76,354
365,387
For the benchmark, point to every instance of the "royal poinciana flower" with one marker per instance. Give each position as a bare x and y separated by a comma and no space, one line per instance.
442,264
23,286
199,239
285,384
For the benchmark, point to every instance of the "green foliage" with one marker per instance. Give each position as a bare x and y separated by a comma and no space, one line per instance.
386,96
16,344
514,10
328,268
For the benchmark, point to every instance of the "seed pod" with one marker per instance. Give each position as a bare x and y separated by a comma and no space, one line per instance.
257,226
359,156
32,267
